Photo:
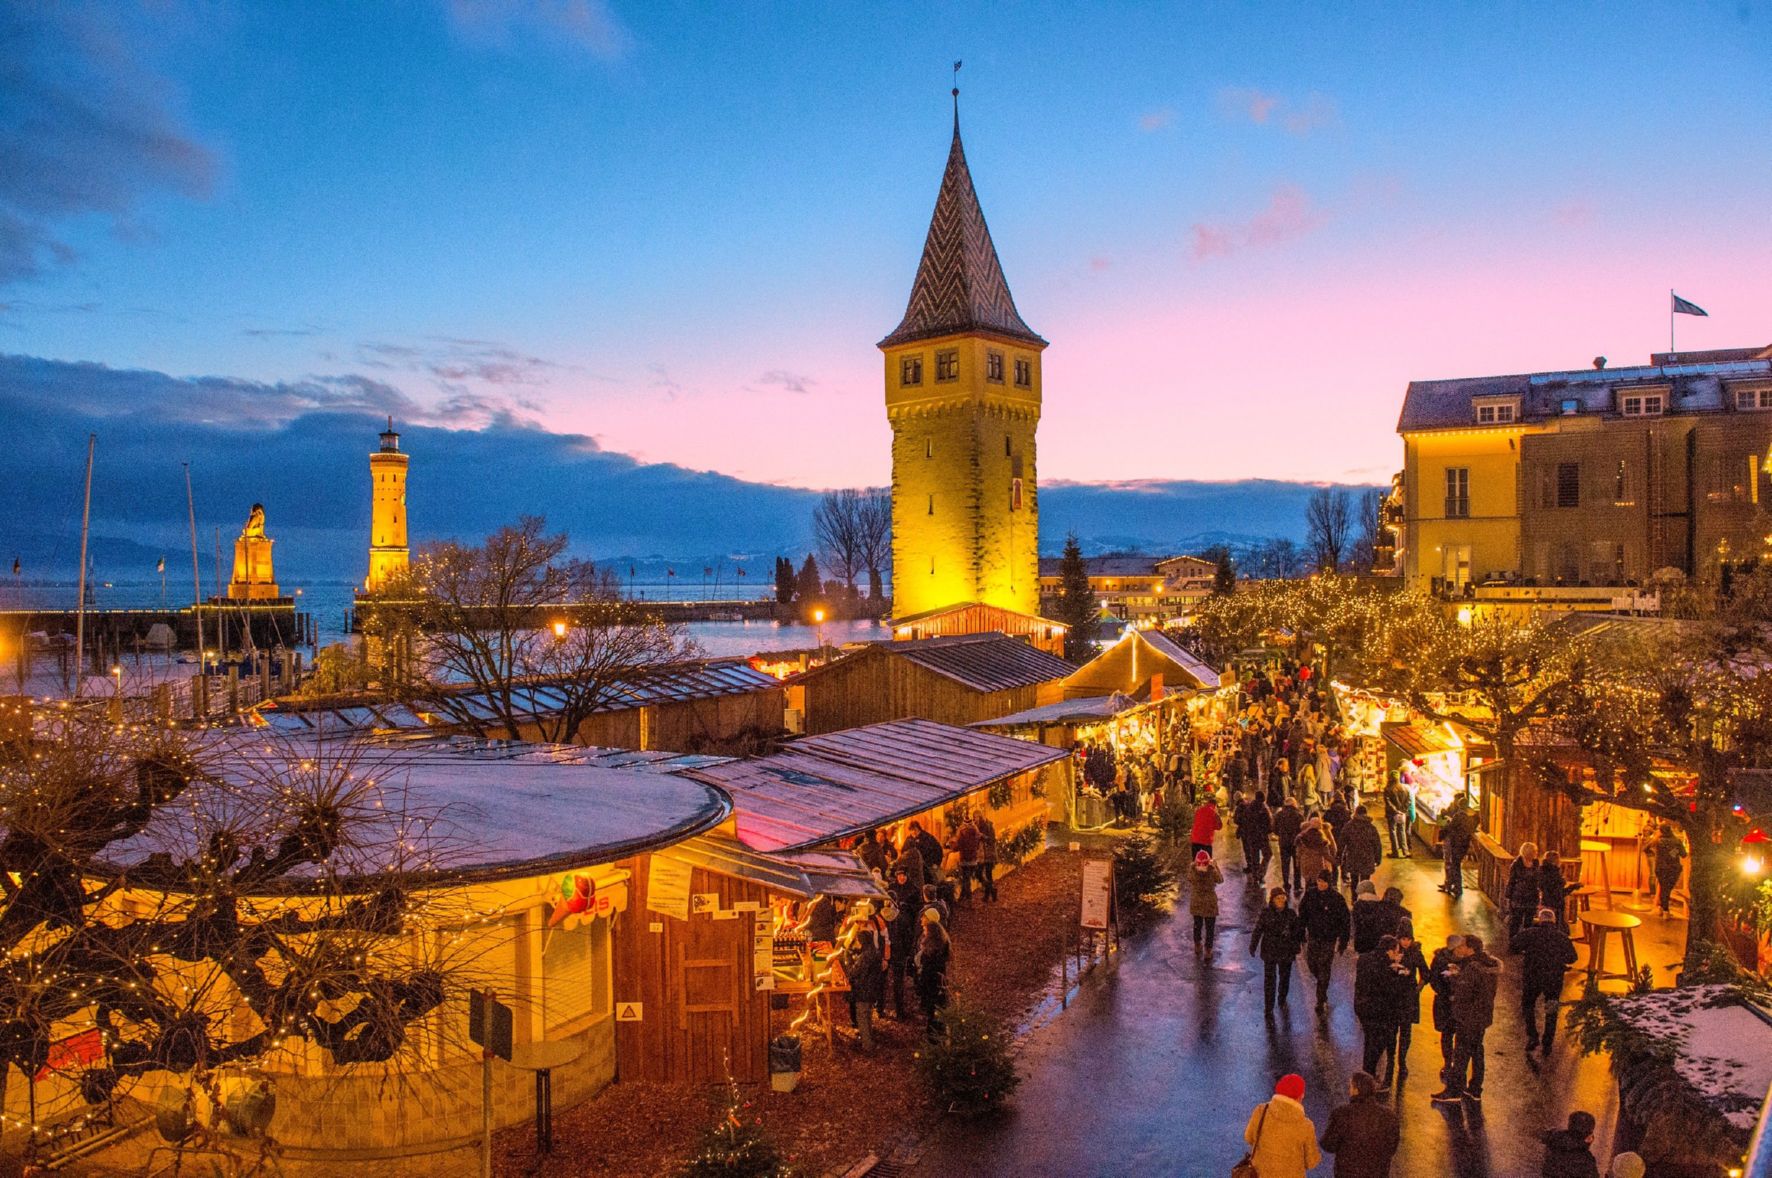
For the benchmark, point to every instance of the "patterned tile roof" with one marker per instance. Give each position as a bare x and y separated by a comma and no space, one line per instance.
960,284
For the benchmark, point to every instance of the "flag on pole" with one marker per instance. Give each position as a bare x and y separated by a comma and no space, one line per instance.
161,566
1682,307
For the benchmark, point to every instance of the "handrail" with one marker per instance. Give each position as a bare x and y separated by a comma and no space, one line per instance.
1758,1162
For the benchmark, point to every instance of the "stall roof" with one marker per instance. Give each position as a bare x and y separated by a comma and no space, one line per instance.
826,787
983,662
675,683
1418,741
1196,666
799,873
487,809
1066,711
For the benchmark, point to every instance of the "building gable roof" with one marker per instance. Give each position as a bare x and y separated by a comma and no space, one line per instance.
983,662
959,285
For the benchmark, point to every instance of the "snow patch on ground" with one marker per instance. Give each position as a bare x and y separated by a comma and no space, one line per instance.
1723,1049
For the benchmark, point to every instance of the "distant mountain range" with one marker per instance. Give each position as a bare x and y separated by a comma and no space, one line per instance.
301,450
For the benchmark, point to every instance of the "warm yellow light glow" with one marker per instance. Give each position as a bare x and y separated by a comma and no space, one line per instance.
818,615
559,629
1464,615
1752,865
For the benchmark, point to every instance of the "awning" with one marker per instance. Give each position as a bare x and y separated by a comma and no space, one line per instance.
802,873
1418,741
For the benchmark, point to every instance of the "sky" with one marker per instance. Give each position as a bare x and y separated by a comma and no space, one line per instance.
672,233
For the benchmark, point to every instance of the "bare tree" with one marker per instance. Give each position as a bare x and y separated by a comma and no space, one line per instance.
1328,518
837,530
1370,531
876,539
514,637
184,906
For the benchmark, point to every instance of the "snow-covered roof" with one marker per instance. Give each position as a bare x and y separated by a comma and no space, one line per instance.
1722,1045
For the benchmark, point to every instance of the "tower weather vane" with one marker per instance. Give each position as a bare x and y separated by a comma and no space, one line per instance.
956,89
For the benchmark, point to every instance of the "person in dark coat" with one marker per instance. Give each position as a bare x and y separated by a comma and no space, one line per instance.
902,932
1440,979
1475,977
1568,1153
929,847
1335,820
866,967
1362,848
1363,1134
1369,918
1455,843
873,852
933,953
1547,952
1288,820
987,857
1409,1012
1524,881
1553,889
1275,939
1667,850
1394,915
1254,825
1380,981
1322,914
1397,804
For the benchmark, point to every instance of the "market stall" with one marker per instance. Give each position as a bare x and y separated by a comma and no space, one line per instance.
1430,761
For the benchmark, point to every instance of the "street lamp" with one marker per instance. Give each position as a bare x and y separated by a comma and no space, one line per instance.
560,629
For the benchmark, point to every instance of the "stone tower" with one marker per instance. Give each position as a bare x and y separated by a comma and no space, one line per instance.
963,399
387,511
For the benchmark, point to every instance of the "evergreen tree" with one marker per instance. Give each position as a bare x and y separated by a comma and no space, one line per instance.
736,1146
1224,577
808,586
1142,879
967,1066
784,580
1076,603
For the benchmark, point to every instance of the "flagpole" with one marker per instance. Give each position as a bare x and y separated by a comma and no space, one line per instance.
1670,319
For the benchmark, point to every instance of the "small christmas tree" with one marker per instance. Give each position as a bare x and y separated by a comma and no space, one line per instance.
736,1145
967,1066
1142,878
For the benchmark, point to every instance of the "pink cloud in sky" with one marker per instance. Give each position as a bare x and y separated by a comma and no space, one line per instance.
1263,108
1290,214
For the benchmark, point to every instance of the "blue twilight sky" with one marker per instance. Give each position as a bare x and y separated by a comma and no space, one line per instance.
678,229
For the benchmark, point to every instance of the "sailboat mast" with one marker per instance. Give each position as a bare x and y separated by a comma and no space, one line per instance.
196,576
80,609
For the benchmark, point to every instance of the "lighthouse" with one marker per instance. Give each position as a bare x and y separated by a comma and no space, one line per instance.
387,511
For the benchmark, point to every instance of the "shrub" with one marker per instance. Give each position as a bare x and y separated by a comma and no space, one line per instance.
967,1066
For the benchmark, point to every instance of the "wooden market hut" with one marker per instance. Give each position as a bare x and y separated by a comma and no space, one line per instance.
977,618
680,707
952,680
1145,664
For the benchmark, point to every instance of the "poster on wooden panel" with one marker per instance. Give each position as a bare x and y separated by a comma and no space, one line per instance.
667,887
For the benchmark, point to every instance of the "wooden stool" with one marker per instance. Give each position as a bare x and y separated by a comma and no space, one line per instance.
1603,849
1576,904
1598,925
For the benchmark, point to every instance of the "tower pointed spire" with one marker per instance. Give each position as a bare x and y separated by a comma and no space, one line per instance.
960,284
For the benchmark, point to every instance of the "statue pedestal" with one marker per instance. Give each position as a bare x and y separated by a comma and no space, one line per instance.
254,578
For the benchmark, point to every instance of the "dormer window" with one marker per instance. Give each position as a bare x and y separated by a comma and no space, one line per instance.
1751,399
1569,406
1505,411
1641,405
910,370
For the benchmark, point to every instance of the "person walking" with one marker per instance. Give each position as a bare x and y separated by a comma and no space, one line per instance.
1254,826
1281,1137
1275,939
1288,821
1409,997
987,857
1323,916
1316,849
1568,1152
1207,824
1397,804
1553,889
1667,850
1203,880
1547,952
933,953
1455,844
902,930
1362,848
1363,1134
1475,976
1441,980
1368,918
1524,882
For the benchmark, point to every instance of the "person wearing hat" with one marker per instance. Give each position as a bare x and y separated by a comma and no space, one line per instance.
1363,1134
1282,1139
933,951
1546,953
1276,940
1203,880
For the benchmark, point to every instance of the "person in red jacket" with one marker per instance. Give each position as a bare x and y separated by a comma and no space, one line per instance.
1207,823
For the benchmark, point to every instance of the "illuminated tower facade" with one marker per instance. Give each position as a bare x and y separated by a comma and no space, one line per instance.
963,399
388,551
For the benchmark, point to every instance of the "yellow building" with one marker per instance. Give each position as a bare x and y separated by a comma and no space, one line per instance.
388,551
963,397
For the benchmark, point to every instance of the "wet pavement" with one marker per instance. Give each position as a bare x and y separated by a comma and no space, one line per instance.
1157,1064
